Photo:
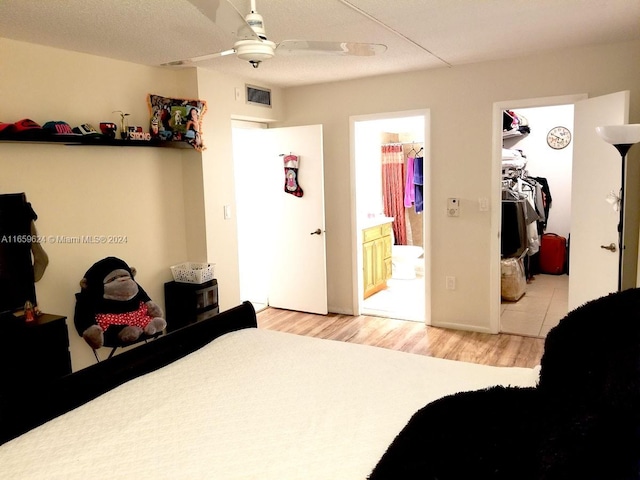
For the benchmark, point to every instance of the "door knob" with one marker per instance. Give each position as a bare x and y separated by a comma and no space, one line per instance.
316,232
611,247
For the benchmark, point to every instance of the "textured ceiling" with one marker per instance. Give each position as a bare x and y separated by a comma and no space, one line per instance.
419,34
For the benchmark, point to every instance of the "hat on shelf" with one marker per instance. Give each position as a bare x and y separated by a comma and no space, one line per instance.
26,128
87,130
6,129
58,127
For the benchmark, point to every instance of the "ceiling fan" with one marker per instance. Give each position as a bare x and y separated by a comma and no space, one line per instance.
252,44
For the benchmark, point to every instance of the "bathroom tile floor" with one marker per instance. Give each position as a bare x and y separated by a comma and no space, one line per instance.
402,299
539,310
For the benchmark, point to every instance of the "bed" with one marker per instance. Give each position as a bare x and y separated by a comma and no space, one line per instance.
223,399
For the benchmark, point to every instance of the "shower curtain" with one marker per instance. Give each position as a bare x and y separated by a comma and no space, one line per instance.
393,189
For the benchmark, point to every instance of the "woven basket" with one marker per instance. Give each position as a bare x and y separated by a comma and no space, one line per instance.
189,272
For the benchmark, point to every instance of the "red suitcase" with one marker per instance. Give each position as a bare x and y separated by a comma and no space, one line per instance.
553,254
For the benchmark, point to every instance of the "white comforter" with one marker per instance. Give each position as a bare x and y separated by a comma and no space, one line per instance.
253,404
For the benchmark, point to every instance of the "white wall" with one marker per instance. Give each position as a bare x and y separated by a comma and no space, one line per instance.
460,100
368,164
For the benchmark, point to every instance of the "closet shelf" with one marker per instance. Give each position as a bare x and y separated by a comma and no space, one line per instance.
513,133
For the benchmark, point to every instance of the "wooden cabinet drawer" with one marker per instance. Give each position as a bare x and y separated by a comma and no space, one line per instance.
373,233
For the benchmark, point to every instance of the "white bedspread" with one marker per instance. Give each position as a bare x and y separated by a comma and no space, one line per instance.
253,404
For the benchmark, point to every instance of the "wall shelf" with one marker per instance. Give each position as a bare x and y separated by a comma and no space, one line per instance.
93,141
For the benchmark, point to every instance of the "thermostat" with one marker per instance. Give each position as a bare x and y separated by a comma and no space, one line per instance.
453,207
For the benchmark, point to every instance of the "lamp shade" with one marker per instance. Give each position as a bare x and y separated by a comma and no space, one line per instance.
620,134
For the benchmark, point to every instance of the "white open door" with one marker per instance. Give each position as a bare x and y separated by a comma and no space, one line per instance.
278,239
299,272
594,222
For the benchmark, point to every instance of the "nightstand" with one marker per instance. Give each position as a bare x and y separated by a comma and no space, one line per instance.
36,351
188,303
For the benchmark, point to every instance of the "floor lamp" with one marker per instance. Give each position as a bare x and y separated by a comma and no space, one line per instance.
623,137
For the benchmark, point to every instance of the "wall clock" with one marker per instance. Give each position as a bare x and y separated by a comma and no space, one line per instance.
558,137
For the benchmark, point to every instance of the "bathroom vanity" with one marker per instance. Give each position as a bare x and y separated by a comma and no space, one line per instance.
376,251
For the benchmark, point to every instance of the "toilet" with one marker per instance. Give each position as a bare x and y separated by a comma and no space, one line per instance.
404,259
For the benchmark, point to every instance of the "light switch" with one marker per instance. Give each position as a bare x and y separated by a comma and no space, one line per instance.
227,212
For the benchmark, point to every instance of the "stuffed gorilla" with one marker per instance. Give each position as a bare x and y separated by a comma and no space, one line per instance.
112,308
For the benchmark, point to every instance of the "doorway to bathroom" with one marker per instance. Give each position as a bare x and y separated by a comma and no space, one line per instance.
391,215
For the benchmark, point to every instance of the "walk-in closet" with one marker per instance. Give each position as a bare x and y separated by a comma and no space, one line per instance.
536,213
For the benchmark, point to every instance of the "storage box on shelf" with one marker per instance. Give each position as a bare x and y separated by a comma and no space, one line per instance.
189,272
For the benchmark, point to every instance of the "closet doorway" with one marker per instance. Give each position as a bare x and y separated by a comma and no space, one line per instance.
536,174
402,135
593,268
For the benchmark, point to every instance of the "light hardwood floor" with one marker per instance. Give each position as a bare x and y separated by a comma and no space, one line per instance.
407,336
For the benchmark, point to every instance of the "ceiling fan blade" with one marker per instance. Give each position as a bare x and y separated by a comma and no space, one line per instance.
227,17
190,61
297,47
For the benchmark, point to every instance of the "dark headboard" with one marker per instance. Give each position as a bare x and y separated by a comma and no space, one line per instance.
34,405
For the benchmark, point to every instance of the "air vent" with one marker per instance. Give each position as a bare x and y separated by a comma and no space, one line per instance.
258,96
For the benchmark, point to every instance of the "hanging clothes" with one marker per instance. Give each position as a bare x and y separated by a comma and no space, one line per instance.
514,228
409,189
17,257
393,189
546,201
418,182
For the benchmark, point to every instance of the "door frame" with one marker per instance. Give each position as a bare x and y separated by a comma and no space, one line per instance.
260,297
356,223
496,187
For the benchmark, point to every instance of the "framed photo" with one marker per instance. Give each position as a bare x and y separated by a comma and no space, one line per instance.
177,120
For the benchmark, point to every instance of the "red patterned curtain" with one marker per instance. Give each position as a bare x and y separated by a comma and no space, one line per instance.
393,189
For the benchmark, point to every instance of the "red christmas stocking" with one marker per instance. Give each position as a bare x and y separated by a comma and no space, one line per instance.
291,175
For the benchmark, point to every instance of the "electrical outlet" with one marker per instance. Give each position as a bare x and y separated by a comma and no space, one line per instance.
451,283
483,204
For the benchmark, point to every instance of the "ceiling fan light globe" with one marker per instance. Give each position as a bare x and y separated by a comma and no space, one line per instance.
254,51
